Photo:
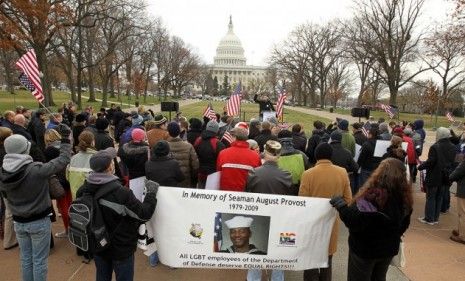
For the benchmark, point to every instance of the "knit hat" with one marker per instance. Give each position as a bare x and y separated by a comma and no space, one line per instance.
17,144
173,129
212,126
343,124
136,119
138,135
441,133
101,160
398,131
272,147
161,148
101,124
336,136
80,118
159,119
323,151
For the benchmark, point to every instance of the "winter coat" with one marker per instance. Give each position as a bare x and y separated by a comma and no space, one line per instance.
103,140
263,137
269,179
440,156
164,170
263,105
20,130
395,152
78,128
134,155
317,137
411,154
123,227
121,128
155,135
343,158
193,134
24,183
419,129
348,142
373,233
385,136
316,182
78,169
51,152
294,161
207,156
300,141
359,137
458,175
235,163
253,132
185,154
37,130
366,160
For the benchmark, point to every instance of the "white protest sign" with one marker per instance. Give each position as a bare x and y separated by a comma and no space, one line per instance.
358,149
196,234
382,145
213,181
137,186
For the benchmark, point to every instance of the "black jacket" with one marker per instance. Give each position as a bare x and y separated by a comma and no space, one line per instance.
134,156
193,134
375,234
360,138
121,127
458,175
103,140
343,158
164,170
207,156
317,137
77,130
20,130
440,156
253,132
366,160
300,141
123,229
395,152
264,105
37,130
263,137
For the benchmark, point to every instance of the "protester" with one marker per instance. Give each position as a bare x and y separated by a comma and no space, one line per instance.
78,168
122,126
348,140
254,128
119,255
207,147
136,121
377,218
184,125
359,137
441,157
265,135
30,203
37,128
318,135
253,145
343,158
102,138
54,120
162,167
458,175
395,150
135,153
19,127
195,130
384,132
367,161
418,124
298,137
316,182
159,132
185,154
8,119
235,162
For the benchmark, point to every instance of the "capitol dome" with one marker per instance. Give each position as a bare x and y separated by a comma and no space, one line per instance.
230,51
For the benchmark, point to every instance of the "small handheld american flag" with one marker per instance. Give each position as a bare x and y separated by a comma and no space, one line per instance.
30,77
280,104
234,102
228,137
389,110
209,112
450,117
366,129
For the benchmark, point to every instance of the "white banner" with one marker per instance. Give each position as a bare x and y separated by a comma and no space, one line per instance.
216,229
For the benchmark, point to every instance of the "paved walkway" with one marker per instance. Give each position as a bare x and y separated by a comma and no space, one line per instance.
431,256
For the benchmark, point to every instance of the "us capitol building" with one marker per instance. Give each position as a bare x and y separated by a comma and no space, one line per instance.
230,61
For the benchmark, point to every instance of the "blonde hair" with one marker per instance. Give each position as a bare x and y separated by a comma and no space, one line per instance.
4,133
51,136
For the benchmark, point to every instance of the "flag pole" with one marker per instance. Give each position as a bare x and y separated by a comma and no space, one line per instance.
46,108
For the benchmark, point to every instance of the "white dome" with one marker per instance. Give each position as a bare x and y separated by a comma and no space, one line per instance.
230,51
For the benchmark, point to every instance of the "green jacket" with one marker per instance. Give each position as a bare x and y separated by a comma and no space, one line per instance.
348,142
78,169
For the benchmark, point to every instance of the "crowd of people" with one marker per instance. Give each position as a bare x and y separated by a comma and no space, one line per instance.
85,152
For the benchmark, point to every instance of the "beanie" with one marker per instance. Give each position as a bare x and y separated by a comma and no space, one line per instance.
138,135
343,124
16,144
101,124
137,120
212,126
336,136
323,151
173,129
441,133
161,148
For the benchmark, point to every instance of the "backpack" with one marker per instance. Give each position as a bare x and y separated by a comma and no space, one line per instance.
87,230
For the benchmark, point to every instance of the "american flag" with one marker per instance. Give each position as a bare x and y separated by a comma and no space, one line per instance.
366,129
389,110
30,76
228,137
209,112
450,117
218,239
234,102
280,104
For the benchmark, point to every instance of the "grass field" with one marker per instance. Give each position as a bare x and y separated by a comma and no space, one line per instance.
251,111
24,98
410,117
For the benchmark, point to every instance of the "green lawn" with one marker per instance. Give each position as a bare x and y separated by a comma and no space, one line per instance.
24,98
251,111
410,117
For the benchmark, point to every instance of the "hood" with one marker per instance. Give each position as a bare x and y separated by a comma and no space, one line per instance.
100,178
287,146
418,124
14,162
12,180
132,148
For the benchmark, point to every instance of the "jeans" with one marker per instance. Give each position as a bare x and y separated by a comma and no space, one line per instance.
433,204
34,247
124,269
320,274
445,206
256,275
360,269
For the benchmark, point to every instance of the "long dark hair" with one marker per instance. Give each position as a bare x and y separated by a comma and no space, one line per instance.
389,180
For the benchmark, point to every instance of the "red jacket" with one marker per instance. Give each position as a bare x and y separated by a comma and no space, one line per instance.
411,154
235,163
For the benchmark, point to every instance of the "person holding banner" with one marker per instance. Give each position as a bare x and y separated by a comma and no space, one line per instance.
316,183
377,218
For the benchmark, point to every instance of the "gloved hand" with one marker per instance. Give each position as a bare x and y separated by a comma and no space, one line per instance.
337,202
64,131
151,186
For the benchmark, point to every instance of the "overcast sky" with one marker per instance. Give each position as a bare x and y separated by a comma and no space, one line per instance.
259,24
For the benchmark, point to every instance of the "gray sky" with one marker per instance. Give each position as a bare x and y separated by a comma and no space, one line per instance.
259,24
